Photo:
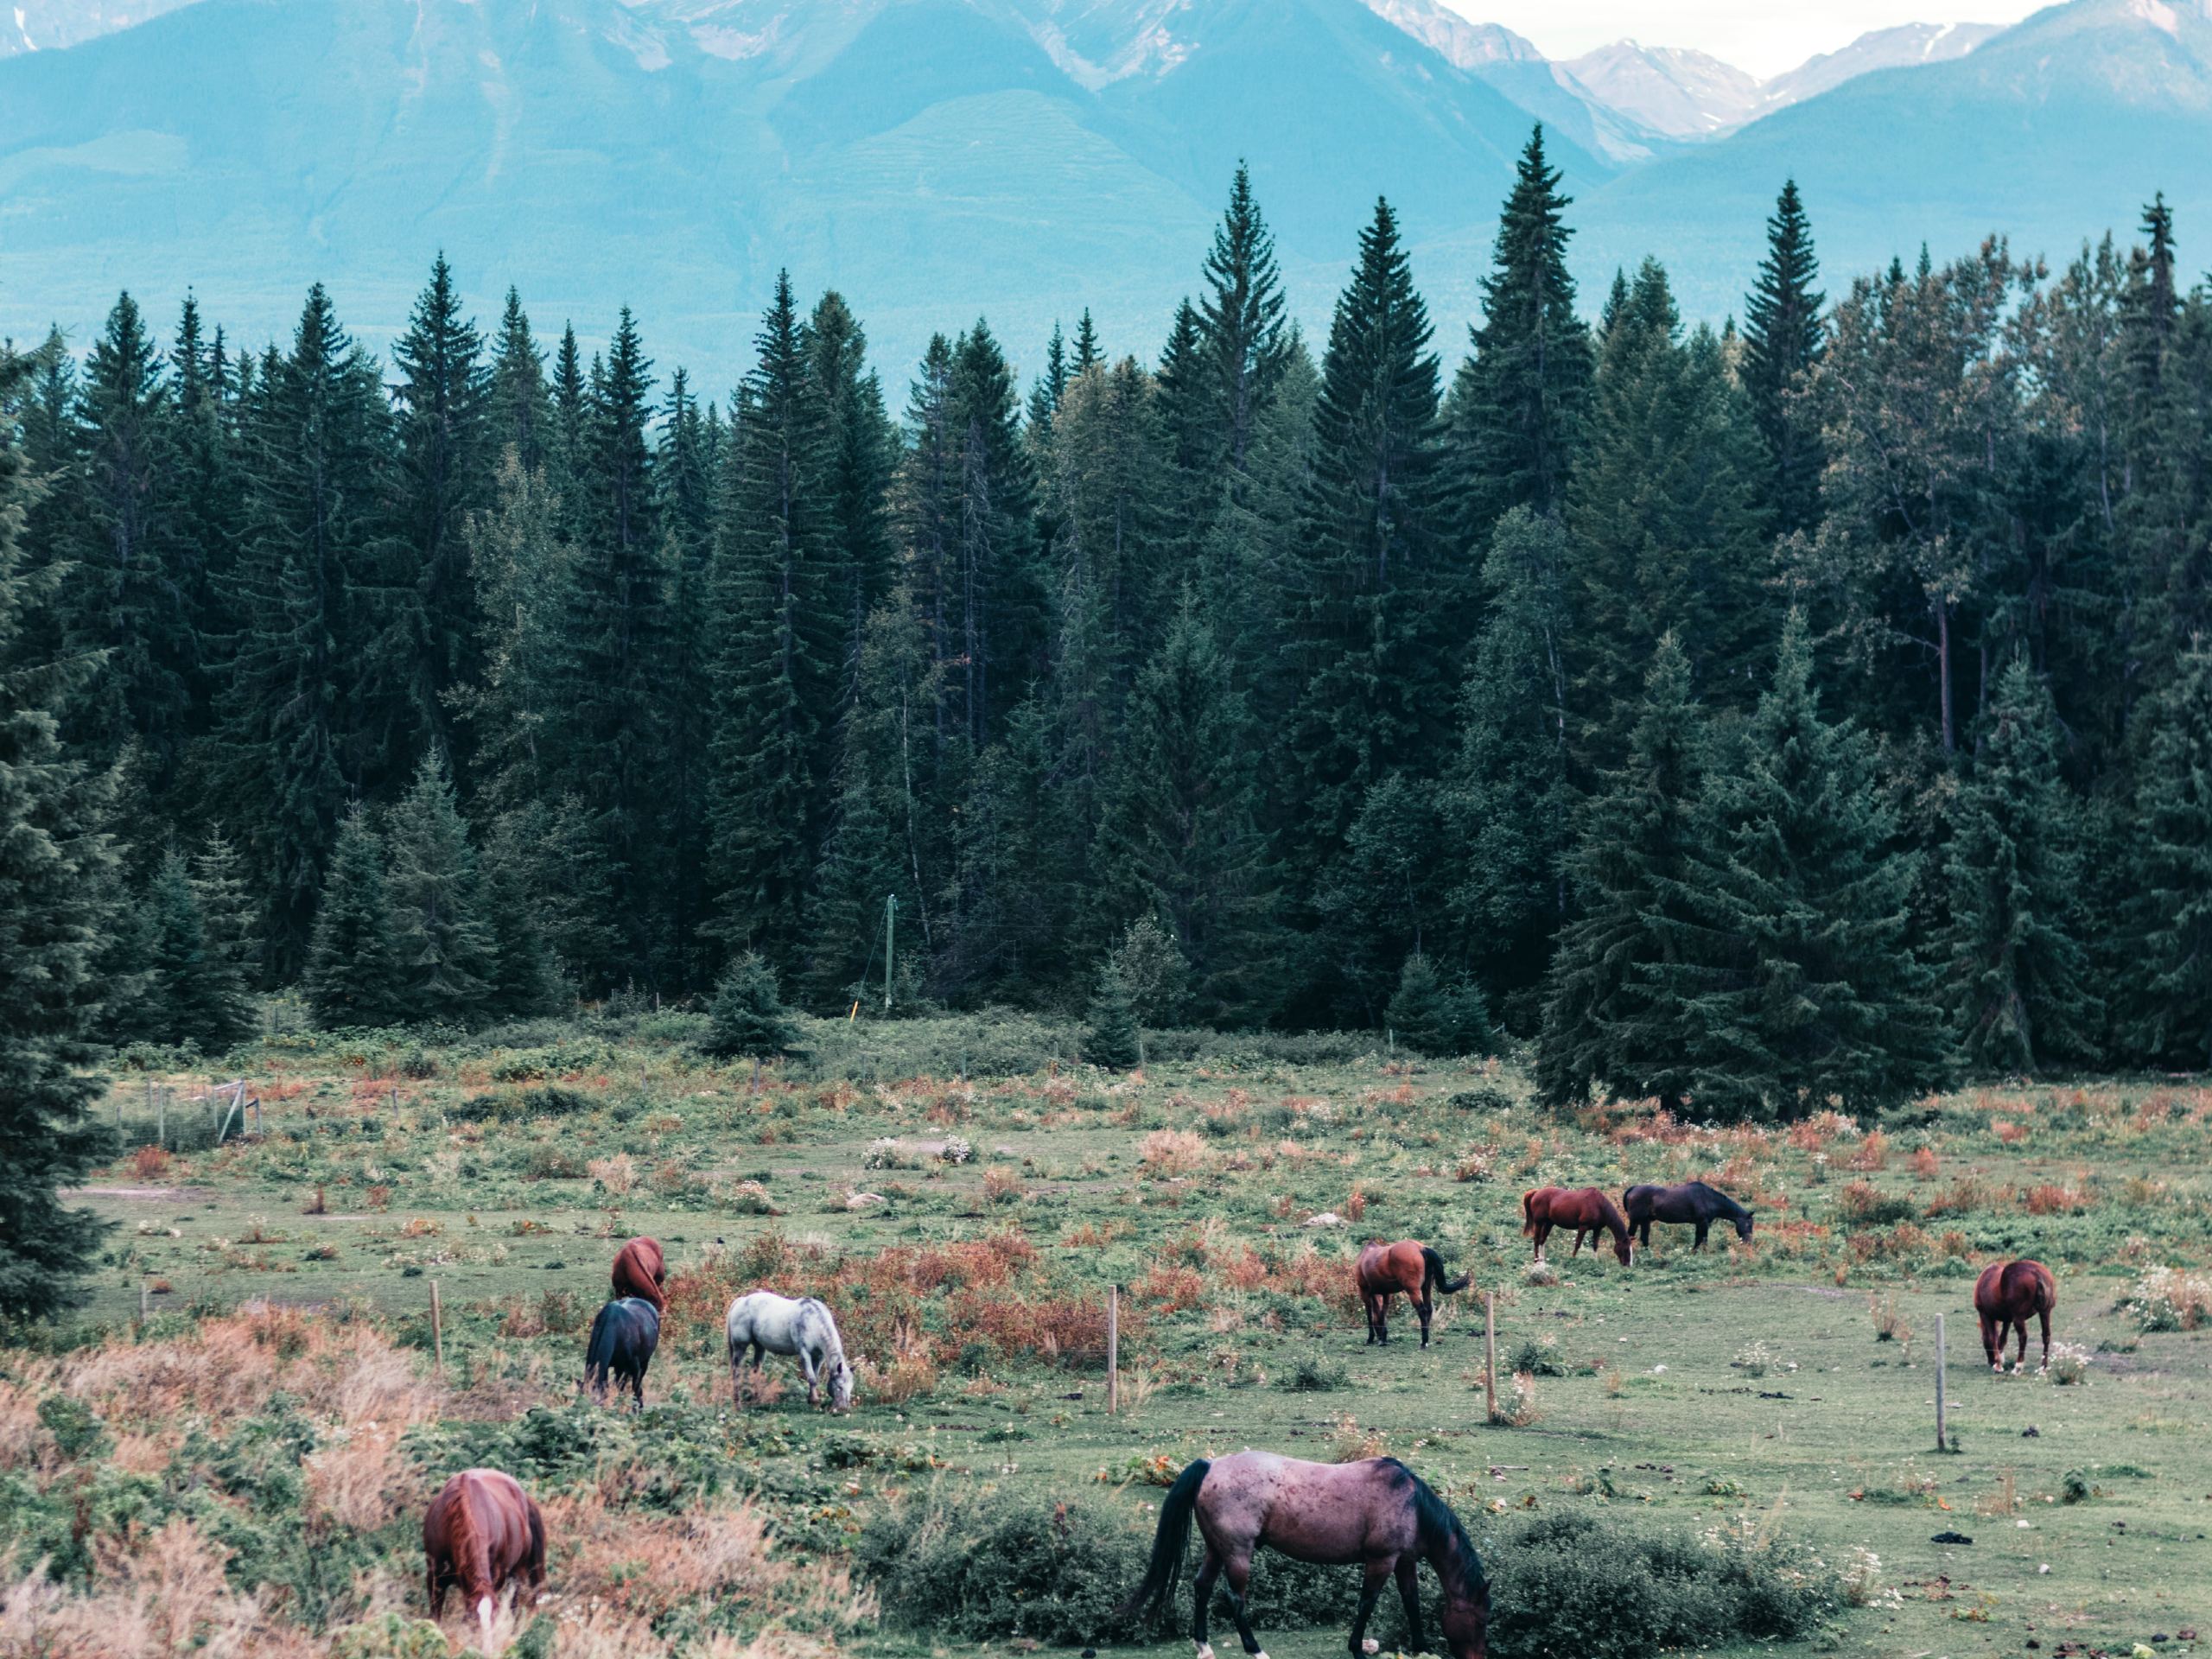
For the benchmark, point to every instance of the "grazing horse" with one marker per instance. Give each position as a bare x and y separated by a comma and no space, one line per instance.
623,1338
1409,1266
639,1272
769,1323
1376,1512
1692,1201
1585,1208
482,1530
2005,1295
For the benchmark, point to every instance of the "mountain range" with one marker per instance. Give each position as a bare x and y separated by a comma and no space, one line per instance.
941,159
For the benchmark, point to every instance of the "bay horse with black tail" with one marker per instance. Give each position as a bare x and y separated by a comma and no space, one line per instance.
1583,1208
623,1338
1376,1513
1690,1201
2004,1296
1410,1266
640,1272
482,1531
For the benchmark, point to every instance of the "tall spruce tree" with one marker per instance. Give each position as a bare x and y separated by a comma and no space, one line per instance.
442,939
1613,1018
779,614
1518,404
1809,994
862,454
520,413
56,882
1782,344
2017,971
353,976
1370,638
443,472
195,994
2167,1014
1242,317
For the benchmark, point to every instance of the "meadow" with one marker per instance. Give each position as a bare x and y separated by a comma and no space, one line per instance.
231,1450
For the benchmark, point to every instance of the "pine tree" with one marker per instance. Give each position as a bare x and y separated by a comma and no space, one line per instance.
1667,533
1508,799
310,703
746,1016
195,996
1181,838
1088,354
56,874
133,593
1810,994
862,455
1110,1039
1046,390
1243,318
229,918
2169,979
441,937
1368,640
1154,972
206,493
444,472
2017,972
520,412
1384,897
1431,1017
1782,347
353,976
1613,1018
519,979
780,616
1519,403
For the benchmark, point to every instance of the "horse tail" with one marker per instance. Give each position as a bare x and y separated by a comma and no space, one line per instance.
1434,1274
598,1349
1170,1543
1529,1210
466,1547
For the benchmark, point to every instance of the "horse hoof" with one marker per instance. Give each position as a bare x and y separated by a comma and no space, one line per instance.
1206,1650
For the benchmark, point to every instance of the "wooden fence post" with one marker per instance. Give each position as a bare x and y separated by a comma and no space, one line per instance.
1490,1349
1113,1349
438,1330
1943,1444
145,1303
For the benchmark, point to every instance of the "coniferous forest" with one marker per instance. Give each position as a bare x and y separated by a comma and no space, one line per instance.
1799,714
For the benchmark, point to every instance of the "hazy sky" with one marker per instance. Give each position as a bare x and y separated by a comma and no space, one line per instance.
1765,36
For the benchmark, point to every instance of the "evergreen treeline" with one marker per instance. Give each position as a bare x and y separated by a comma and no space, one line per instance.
1757,719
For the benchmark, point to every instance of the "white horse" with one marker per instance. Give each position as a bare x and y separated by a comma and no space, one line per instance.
765,1323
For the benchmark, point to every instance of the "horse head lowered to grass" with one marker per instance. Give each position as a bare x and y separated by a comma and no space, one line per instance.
1585,1208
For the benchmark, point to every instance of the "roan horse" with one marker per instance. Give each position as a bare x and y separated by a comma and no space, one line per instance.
1377,1513
768,1324
1585,1208
2005,1295
623,1338
1692,1201
1384,1270
481,1531
640,1272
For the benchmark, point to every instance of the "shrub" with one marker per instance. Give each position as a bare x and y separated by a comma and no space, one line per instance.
748,1016
2070,1364
2167,1299
1431,1017
1537,1357
1755,1359
1310,1376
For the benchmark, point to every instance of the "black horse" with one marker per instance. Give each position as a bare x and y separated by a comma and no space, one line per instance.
1693,1201
623,1338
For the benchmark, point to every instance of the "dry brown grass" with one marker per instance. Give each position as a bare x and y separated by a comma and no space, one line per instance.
158,1595
1165,1152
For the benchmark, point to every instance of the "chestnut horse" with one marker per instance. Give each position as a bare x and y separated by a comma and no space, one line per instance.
482,1530
1586,1209
1408,1266
2005,1295
639,1272
1376,1513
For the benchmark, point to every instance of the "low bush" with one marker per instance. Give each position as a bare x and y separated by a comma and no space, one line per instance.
1582,1583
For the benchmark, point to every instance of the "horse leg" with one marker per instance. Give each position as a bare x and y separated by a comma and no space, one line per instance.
1378,1574
1201,1596
812,1373
1702,1227
1409,1598
1577,1250
1239,1571
1989,1342
1543,1232
2044,1315
2020,1359
436,1586
1424,1308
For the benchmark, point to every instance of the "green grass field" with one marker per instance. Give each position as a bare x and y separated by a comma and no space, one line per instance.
1781,1389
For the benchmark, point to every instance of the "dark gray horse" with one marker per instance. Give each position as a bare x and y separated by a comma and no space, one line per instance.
1376,1513
1692,1201
623,1338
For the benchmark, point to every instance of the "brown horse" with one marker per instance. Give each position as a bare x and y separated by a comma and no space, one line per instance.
639,1272
1408,1266
2005,1295
1586,1209
482,1531
1376,1513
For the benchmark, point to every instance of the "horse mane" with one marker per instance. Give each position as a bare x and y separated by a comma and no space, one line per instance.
1615,1221
1444,1540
